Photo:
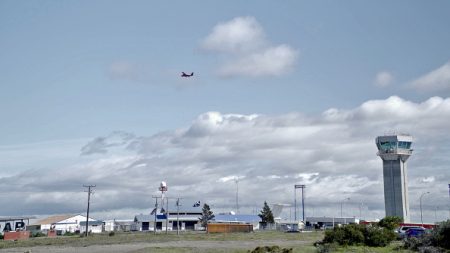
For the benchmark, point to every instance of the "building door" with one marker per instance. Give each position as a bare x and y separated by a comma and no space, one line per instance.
145,226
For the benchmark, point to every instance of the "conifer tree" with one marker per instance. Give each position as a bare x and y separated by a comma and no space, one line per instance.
207,215
266,214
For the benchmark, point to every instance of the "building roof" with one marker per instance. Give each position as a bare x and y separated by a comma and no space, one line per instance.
247,218
53,219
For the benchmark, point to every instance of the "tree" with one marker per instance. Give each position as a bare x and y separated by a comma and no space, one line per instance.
207,215
266,214
390,222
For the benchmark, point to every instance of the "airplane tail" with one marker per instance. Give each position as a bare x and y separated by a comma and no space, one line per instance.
192,74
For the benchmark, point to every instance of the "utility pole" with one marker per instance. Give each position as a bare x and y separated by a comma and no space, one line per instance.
178,214
156,211
89,191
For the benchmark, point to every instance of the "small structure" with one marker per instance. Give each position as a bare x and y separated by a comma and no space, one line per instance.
187,221
288,225
229,228
251,219
118,225
16,235
95,227
329,222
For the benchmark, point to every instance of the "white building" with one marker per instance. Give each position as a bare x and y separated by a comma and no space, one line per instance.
95,227
119,225
60,223
329,222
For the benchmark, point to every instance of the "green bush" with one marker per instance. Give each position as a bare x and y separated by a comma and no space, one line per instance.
347,235
111,233
271,249
378,236
390,222
38,234
353,234
442,235
1,237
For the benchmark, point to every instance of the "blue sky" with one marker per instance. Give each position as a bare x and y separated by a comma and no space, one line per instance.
76,71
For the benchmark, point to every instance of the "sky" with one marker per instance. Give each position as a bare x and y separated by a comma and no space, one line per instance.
283,93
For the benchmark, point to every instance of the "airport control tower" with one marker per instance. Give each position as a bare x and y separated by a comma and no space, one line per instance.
395,150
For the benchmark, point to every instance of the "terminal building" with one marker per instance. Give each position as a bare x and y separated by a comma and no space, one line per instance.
395,150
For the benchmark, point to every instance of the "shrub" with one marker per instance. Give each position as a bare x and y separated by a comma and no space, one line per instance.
442,235
353,234
38,234
378,236
111,233
271,249
1,237
348,235
390,222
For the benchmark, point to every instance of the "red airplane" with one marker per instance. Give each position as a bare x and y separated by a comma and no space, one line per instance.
186,75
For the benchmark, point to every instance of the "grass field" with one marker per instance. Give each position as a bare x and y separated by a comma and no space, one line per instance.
186,242
123,238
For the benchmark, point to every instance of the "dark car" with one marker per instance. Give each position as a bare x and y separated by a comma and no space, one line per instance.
415,232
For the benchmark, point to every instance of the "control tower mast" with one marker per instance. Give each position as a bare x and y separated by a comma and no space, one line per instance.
395,150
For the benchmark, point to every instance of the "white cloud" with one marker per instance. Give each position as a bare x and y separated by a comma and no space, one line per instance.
436,80
241,34
383,79
247,51
333,153
273,61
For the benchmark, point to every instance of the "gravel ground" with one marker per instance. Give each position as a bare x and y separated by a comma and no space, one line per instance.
131,247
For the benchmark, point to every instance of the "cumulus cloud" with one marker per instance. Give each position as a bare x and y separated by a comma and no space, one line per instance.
333,153
248,52
436,80
273,61
241,34
383,79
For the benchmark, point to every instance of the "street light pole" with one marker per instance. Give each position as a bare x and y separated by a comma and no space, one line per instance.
360,210
236,180
341,208
420,199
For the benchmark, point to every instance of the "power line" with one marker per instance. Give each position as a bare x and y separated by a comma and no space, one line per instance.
89,191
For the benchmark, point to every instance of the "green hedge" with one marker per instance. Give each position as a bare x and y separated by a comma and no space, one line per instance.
354,234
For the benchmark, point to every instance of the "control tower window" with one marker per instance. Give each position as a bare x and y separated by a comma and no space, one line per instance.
388,146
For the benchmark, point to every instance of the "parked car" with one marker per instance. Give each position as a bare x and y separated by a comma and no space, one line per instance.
415,232
401,231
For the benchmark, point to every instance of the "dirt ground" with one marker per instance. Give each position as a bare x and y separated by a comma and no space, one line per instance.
141,246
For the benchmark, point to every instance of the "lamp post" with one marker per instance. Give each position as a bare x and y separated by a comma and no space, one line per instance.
236,180
360,210
341,208
420,199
